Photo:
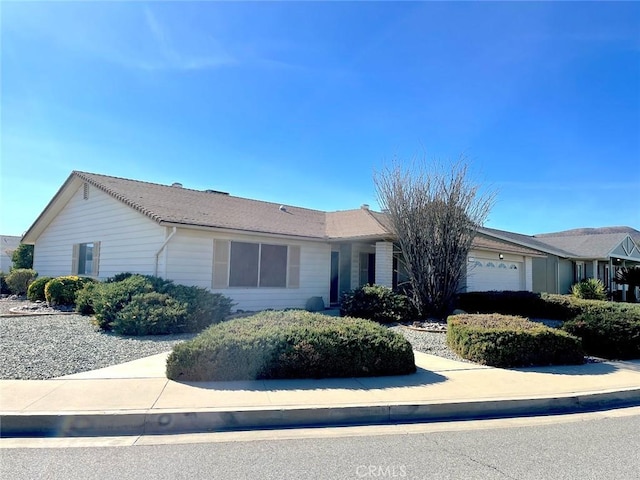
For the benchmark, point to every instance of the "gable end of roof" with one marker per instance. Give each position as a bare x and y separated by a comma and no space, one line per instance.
127,201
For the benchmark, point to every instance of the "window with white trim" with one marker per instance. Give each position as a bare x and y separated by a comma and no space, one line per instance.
85,259
255,265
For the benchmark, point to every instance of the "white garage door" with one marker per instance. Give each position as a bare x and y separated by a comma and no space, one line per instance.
484,275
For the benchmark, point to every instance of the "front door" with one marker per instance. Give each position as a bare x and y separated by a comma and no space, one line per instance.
335,277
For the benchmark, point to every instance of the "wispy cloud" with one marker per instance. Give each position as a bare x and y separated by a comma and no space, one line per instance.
126,34
173,56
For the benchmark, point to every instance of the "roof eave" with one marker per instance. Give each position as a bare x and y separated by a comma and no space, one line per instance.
236,231
548,251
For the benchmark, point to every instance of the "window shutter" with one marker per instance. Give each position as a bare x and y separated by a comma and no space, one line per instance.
96,259
75,253
294,267
220,263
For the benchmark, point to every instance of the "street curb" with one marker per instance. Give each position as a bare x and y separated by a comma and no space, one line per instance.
149,422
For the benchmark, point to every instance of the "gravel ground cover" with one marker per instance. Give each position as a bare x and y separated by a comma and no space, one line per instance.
49,346
433,343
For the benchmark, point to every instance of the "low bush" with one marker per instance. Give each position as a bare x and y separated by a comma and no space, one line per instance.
84,298
4,288
35,292
151,313
376,302
291,344
524,304
109,298
19,280
608,329
590,289
508,341
127,299
63,290
118,277
203,307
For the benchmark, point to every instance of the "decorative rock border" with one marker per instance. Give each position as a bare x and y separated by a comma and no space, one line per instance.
432,327
18,311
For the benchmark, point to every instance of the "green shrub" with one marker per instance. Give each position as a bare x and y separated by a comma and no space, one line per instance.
109,298
123,292
151,313
524,304
22,257
507,341
35,291
608,329
376,302
62,290
203,307
118,277
4,288
84,298
19,280
291,344
590,289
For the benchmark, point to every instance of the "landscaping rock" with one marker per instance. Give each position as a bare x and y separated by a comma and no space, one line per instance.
314,304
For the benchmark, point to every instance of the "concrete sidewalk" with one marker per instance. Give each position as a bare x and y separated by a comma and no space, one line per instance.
136,398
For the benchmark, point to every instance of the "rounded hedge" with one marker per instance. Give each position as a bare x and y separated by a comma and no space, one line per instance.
63,290
376,302
508,341
35,292
608,329
19,280
523,304
291,344
132,304
151,313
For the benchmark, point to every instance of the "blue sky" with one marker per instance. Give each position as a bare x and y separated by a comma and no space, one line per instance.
299,103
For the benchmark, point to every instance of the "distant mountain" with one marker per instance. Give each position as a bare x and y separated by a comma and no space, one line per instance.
635,234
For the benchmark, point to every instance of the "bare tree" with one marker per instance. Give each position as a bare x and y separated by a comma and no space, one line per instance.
434,211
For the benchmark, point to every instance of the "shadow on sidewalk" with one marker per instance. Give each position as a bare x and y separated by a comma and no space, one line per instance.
421,378
586,369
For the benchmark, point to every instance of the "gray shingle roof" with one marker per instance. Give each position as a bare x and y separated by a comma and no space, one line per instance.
593,246
526,240
175,205
183,206
354,224
577,244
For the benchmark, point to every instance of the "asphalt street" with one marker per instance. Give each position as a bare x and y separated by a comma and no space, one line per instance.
587,446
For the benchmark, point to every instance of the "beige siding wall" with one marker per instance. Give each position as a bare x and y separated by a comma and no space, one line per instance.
128,239
189,260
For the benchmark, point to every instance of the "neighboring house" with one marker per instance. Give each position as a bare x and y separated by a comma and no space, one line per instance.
261,254
8,245
576,255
